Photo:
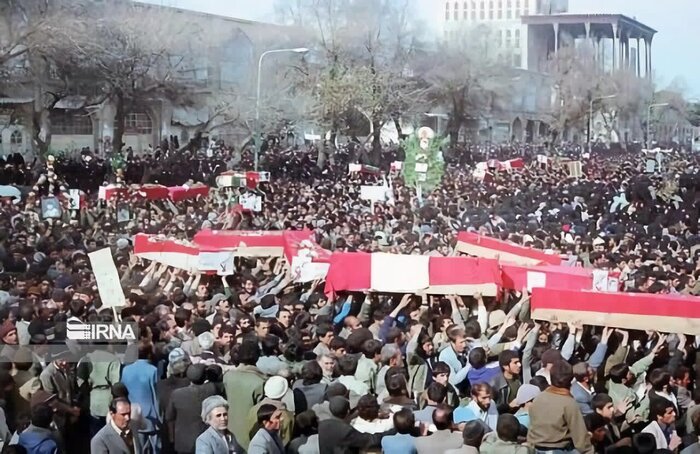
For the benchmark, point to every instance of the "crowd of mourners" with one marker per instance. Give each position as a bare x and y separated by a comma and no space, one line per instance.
257,363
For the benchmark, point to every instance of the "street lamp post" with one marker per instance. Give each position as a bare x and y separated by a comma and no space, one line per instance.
651,106
590,116
258,144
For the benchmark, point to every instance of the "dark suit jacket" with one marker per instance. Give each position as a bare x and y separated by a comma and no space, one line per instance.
108,441
184,410
338,437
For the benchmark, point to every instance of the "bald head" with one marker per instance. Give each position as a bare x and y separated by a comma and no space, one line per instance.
442,417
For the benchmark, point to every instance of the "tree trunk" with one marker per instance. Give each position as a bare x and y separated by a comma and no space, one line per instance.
321,158
453,125
376,154
455,121
119,123
42,132
397,123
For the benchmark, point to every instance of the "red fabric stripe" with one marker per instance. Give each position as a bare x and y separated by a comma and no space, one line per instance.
620,303
178,193
492,243
562,277
349,271
463,270
145,244
222,239
292,244
152,192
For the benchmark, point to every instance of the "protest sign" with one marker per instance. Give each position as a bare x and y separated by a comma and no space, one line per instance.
108,285
74,199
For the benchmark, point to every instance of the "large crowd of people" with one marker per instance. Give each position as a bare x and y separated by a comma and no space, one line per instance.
256,362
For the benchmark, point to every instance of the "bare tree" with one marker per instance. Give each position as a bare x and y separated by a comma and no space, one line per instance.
632,95
33,37
576,81
365,61
132,52
469,76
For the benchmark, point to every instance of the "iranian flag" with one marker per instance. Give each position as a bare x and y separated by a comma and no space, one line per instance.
307,259
642,311
516,277
238,179
167,251
179,193
244,243
394,273
491,248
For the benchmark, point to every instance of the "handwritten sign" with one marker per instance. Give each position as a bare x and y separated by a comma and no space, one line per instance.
108,284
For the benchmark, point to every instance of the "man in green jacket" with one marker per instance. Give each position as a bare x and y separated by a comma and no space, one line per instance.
244,388
623,378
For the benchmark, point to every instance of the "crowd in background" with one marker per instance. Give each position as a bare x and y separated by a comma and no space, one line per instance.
257,363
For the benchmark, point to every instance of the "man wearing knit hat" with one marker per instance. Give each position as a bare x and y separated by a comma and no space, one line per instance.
8,333
178,363
217,438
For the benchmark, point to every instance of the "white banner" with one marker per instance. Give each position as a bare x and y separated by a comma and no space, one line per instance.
373,193
108,284
221,262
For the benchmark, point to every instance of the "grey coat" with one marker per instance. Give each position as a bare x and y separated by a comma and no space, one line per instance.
210,442
108,441
264,443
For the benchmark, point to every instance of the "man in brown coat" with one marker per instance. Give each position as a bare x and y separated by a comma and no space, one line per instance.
556,422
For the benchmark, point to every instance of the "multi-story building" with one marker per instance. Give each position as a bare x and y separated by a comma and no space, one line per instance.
527,32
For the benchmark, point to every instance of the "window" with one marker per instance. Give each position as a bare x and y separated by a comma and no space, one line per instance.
508,38
500,9
526,7
455,13
517,8
447,11
236,61
473,14
517,39
138,123
16,137
464,11
517,60
482,11
71,123
491,10
509,11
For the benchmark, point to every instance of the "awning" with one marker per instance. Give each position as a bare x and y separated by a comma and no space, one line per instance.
73,102
16,100
189,116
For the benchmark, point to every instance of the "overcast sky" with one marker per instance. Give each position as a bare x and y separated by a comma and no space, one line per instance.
674,55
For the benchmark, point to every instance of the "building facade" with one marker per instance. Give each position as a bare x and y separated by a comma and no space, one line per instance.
227,65
526,34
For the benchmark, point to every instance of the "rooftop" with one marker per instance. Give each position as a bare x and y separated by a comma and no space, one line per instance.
207,15
572,18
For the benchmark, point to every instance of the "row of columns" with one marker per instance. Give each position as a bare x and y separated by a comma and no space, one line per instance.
621,50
